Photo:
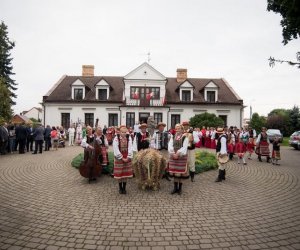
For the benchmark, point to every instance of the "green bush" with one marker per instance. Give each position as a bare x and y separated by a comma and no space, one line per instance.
205,161
106,170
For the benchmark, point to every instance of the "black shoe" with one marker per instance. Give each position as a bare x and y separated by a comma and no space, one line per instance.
192,176
220,175
175,190
120,188
124,188
259,158
34,153
223,174
180,189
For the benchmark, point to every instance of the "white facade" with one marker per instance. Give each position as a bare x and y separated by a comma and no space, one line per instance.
130,109
35,113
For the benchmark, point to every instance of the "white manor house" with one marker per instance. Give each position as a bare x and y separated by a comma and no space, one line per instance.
143,92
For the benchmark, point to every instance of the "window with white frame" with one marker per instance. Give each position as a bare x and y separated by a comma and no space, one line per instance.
186,95
102,94
102,90
78,90
78,94
211,92
211,96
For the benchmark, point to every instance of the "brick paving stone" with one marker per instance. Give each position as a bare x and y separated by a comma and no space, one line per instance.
50,206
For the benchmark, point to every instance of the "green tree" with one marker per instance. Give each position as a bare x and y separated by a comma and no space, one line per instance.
257,122
294,121
207,120
5,104
290,12
5,61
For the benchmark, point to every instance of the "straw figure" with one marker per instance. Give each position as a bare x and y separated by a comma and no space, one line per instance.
149,166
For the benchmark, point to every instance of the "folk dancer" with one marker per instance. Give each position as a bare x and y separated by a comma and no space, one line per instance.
222,155
122,146
231,140
102,141
178,168
142,138
161,139
276,151
240,148
193,139
88,144
262,145
251,142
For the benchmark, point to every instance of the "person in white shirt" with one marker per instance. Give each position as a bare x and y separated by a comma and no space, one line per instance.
71,133
222,155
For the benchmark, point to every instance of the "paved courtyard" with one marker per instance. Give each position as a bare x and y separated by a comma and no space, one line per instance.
46,204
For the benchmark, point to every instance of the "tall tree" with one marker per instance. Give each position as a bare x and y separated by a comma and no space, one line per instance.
207,120
6,45
294,119
257,122
290,12
5,105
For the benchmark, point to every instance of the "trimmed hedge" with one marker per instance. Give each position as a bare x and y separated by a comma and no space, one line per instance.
107,170
204,161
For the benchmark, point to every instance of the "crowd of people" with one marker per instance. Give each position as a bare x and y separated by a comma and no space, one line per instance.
22,138
176,145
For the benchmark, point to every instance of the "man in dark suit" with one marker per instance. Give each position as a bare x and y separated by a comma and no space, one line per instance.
30,138
21,136
3,138
38,136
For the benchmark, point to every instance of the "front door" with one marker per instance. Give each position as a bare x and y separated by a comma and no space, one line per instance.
143,117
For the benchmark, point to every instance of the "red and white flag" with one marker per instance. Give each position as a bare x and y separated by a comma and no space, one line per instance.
149,96
136,94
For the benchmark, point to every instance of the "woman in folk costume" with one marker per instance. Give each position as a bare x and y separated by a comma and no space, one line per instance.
101,139
240,148
276,151
208,138
251,142
231,138
178,167
199,134
213,139
262,145
122,146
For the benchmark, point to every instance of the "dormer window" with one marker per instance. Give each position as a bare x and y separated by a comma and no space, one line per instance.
186,95
211,96
211,92
102,90
78,90
102,94
78,94
186,92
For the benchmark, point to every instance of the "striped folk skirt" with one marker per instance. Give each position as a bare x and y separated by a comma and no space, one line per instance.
263,149
104,156
276,154
179,168
122,169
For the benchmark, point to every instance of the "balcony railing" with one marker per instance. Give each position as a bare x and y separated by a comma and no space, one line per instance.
144,102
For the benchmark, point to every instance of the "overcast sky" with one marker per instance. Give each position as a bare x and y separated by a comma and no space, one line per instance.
232,39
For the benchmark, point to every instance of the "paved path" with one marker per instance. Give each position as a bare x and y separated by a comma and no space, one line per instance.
46,204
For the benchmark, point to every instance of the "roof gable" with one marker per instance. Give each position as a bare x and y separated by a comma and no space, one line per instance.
102,82
211,84
186,84
145,71
78,83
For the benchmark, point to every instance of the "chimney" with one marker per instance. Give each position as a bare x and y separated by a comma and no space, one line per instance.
181,75
87,70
